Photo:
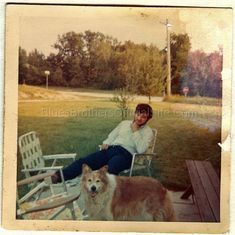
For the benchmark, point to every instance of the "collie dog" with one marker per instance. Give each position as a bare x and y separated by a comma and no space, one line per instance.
110,197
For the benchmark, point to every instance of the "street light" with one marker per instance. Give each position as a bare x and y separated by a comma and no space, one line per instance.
47,74
168,50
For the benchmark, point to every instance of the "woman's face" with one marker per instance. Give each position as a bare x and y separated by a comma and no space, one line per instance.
140,118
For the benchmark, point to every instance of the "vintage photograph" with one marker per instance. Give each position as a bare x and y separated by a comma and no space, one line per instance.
121,113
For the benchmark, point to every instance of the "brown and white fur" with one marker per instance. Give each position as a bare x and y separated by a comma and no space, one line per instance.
110,197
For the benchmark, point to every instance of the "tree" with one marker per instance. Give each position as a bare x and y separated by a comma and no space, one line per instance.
70,48
196,73
153,79
53,61
91,40
133,56
34,76
72,71
101,66
214,84
36,66
122,98
92,59
57,78
69,45
23,65
203,74
37,59
97,64
180,47
143,69
116,63
76,73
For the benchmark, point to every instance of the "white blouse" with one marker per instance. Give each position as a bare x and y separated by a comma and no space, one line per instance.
134,142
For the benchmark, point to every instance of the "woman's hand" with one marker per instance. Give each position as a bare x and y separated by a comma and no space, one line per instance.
134,126
104,146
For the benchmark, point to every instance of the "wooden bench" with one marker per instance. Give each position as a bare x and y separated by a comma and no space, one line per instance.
205,188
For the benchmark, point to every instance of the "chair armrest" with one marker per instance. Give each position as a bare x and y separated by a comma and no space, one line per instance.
145,154
60,156
43,169
140,158
136,155
35,178
60,201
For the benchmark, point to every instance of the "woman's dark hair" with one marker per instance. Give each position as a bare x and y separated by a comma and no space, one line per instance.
144,108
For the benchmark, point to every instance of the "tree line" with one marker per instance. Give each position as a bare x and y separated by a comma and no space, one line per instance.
95,60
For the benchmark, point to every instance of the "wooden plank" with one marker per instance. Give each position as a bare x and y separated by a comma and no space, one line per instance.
213,176
209,190
200,196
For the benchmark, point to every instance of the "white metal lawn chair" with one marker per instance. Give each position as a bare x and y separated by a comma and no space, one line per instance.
50,207
34,161
143,161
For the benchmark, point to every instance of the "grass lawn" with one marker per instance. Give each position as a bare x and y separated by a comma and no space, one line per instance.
194,100
79,126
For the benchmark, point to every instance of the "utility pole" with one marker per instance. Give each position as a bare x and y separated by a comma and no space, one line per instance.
168,58
168,44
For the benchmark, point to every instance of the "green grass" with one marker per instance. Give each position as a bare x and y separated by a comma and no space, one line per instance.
177,141
55,88
81,135
194,100
79,126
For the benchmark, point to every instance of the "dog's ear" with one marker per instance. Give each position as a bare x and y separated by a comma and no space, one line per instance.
86,169
104,169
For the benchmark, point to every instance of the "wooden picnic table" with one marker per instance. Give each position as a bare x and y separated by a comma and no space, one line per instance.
205,188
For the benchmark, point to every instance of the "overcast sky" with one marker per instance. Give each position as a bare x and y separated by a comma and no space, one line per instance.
207,27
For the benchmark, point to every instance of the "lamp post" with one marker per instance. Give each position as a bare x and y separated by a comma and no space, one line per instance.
47,75
168,43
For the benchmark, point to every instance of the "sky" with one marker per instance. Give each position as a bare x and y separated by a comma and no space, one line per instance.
208,28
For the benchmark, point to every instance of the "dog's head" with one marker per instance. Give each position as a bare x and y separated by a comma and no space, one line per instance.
94,182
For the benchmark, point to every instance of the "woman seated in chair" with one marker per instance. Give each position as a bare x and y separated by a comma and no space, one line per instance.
129,137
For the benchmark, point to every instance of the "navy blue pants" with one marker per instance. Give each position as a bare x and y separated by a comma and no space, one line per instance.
116,157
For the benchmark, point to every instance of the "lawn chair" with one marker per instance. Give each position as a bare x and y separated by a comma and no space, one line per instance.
142,161
34,162
49,207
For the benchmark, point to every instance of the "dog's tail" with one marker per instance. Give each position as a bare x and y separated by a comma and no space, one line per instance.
167,212
170,212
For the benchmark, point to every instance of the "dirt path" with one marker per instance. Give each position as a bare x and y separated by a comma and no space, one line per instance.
106,95
75,95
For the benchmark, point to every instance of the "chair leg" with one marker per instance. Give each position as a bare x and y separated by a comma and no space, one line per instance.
63,181
187,192
39,194
149,171
72,210
57,212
